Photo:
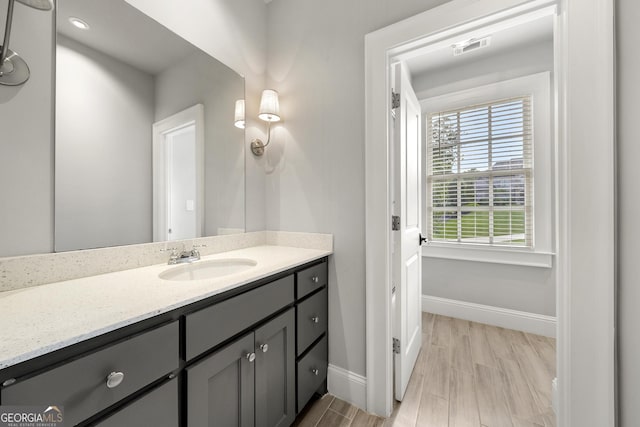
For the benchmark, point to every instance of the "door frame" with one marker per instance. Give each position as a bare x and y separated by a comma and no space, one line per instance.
190,116
585,237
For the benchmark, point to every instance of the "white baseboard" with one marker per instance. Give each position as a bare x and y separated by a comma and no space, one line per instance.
347,386
519,320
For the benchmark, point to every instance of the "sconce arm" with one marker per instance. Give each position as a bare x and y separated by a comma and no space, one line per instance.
7,32
268,135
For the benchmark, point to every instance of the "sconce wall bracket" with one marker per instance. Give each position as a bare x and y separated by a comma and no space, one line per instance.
257,147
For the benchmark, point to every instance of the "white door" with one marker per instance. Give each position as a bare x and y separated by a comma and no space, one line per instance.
406,204
180,146
178,175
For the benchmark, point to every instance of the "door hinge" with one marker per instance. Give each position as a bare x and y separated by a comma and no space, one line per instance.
395,100
395,223
396,346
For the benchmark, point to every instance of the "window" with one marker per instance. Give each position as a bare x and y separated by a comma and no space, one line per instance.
479,174
488,183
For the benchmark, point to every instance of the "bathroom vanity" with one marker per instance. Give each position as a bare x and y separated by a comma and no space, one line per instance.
230,352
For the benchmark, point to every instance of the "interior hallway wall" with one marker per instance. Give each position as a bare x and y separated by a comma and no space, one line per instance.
315,168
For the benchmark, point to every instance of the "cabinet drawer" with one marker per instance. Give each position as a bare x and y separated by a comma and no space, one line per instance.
81,385
213,325
312,371
158,408
310,279
312,320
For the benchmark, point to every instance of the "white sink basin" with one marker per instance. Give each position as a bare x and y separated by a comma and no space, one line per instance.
200,270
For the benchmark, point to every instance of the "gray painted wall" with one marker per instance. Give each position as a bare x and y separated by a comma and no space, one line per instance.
528,289
104,113
628,208
315,169
26,144
203,81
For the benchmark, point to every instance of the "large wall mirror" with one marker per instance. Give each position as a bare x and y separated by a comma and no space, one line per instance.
145,143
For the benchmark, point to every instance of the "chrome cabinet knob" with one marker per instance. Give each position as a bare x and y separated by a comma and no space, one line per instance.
251,357
315,319
315,372
114,379
264,347
8,382
315,279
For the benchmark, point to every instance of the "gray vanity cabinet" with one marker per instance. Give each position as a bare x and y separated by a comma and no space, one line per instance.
253,357
249,382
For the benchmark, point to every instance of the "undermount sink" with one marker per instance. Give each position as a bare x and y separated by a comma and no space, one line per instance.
200,270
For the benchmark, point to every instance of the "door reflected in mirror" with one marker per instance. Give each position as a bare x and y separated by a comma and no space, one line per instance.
178,146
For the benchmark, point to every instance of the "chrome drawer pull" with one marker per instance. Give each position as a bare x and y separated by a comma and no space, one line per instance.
251,357
315,319
264,347
8,382
315,372
114,379
315,279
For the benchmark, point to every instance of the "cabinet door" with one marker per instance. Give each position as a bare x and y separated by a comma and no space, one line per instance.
220,388
275,372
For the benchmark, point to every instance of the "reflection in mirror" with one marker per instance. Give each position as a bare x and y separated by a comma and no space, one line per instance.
146,147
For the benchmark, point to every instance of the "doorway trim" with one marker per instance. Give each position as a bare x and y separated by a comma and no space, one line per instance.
585,237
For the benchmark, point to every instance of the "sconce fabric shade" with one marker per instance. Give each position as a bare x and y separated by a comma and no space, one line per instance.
38,4
238,120
269,106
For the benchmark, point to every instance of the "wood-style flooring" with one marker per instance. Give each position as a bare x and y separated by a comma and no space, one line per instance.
467,375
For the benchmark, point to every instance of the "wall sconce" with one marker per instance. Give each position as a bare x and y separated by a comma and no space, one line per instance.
269,112
14,71
238,120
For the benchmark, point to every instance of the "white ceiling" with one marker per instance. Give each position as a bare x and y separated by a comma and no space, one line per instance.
115,25
525,34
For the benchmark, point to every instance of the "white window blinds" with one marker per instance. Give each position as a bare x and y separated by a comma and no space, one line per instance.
479,174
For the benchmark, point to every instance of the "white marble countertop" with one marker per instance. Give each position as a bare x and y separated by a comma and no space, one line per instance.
38,320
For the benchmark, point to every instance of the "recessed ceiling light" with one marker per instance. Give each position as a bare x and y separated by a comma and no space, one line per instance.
79,23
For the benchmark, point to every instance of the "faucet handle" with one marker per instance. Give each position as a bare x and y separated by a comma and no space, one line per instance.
194,249
173,257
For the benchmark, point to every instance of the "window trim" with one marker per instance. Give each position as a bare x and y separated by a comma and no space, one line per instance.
541,254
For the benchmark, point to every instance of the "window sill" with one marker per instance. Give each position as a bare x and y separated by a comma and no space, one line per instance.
494,255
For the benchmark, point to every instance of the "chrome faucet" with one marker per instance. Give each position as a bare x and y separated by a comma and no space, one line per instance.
184,256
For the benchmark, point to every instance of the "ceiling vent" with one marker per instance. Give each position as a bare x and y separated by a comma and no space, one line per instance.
470,45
